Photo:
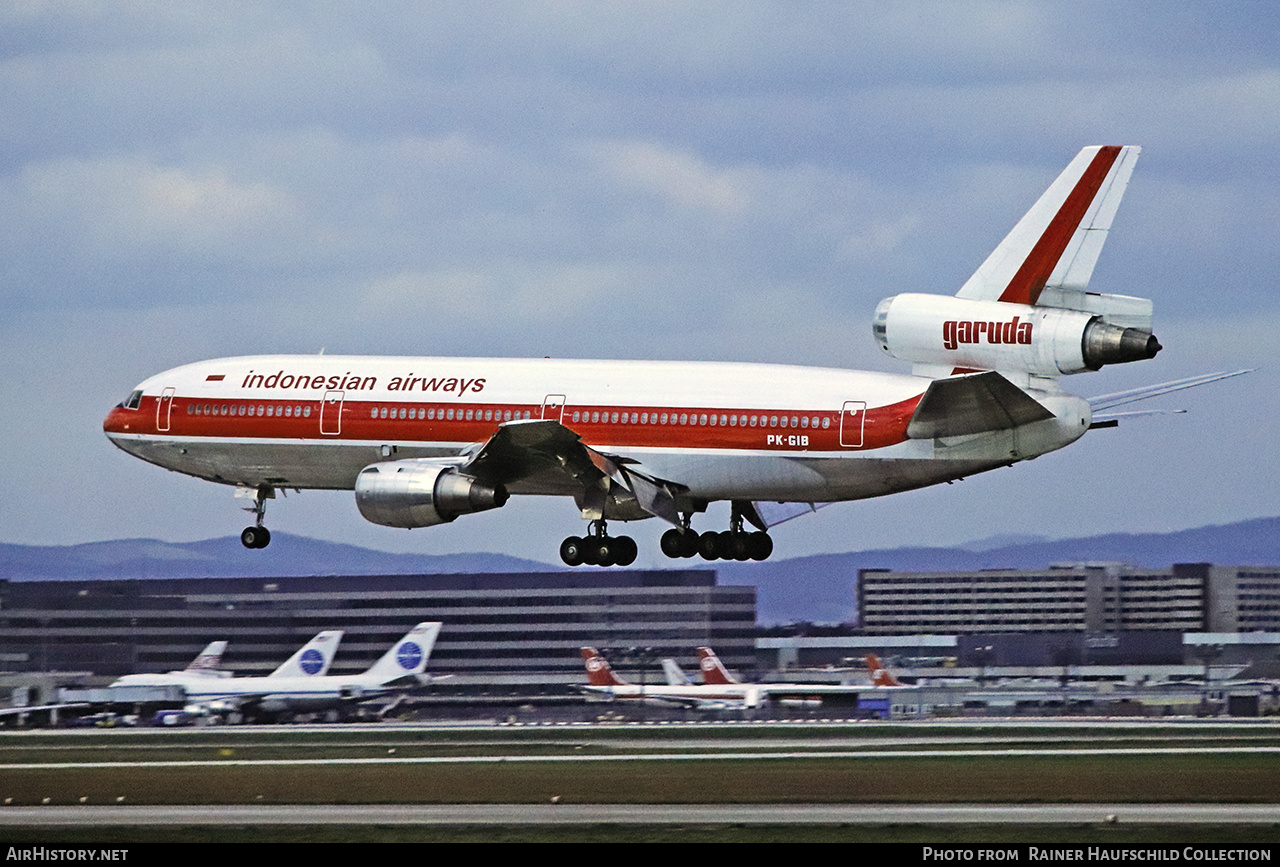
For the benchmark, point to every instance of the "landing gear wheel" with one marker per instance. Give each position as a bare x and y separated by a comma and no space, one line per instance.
709,546
761,546
673,543
624,550
601,550
255,537
571,550
740,546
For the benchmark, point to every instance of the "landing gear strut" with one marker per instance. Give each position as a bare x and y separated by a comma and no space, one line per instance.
598,548
734,544
258,536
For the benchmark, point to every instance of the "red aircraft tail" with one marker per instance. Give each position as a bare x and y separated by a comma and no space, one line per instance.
713,670
880,675
598,671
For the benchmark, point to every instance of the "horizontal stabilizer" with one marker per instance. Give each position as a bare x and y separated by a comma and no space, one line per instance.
973,404
1120,398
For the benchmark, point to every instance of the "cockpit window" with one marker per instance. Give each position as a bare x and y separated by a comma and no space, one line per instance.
134,401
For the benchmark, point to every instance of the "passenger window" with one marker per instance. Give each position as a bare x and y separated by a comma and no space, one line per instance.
826,423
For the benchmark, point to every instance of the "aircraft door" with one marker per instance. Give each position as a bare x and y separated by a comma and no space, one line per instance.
852,421
164,409
331,413
553,407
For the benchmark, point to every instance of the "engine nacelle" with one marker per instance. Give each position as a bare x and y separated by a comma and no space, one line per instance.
996,335
421,493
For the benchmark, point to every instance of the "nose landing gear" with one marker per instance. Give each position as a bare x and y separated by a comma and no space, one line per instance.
257,536
598,548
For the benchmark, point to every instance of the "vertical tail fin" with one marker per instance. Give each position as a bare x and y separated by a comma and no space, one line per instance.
880,675
314,658
598,671
407,656
208,660
713,670
675,675
1056,244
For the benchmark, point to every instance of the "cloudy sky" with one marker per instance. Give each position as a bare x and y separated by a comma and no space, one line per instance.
735,181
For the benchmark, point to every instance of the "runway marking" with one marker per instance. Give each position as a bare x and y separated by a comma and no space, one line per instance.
649,757
644,814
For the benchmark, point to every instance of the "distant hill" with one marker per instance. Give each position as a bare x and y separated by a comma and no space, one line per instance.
819,588
226,557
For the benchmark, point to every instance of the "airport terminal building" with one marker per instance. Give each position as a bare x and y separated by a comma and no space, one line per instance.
498,628
1089,598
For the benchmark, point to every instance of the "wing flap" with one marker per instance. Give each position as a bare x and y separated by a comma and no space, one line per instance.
525,448
973,404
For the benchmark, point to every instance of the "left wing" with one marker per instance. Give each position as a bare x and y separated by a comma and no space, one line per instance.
541,448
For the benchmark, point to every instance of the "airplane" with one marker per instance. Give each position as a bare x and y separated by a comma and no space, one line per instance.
719,689
313,658
714,672
601,680
207,661
291,688
880,675
421,441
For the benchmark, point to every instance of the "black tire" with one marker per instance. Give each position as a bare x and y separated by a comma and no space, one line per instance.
255,537
672,543
624,550
761,546
602,551
689,544
571,550
709,546
740,546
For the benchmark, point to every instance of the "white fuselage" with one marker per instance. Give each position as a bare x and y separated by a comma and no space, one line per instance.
721,430
297,693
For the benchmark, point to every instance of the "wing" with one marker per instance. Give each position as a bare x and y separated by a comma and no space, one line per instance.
547,454
1120,398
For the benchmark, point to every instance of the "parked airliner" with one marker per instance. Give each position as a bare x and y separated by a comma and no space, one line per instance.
298,685
422,441
719,689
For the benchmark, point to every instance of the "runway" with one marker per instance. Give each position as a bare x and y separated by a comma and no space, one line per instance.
646,814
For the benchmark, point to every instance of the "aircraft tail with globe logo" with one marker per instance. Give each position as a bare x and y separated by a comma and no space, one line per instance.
314,659
407,657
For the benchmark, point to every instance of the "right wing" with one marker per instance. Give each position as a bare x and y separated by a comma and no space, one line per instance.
1120,398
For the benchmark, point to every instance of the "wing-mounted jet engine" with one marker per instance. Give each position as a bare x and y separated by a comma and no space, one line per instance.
422,493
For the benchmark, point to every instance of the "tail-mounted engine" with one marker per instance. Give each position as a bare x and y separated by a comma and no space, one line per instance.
997,335
421,493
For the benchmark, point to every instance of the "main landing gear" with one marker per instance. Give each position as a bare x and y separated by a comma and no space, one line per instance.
733,544
598,548
258,536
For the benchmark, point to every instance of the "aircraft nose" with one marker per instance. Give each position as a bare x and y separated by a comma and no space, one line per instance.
118,420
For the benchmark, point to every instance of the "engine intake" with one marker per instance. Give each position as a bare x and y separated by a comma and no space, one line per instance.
421,493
